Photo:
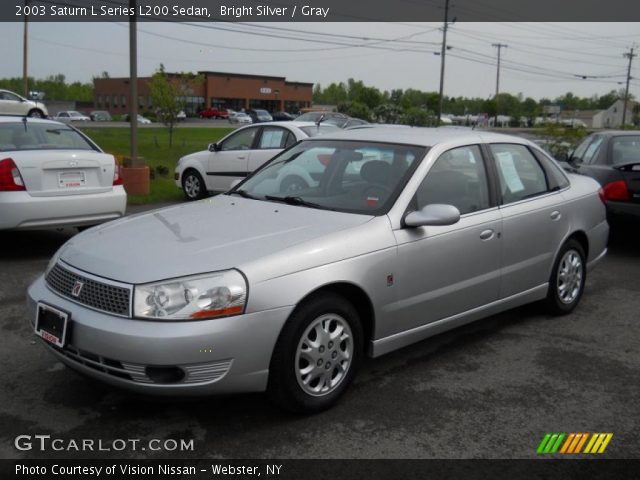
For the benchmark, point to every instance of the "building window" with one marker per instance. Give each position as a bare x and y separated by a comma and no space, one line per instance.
124,101
149,101
140,101
114,101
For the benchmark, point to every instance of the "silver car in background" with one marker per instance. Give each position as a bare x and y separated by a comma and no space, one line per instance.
403,234
52,175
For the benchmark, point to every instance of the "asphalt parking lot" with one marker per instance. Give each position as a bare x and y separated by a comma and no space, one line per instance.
488,390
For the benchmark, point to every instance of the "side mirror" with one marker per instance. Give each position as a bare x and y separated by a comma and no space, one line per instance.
213,147
436,214
563,157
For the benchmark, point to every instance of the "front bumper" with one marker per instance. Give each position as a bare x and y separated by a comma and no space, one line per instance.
226,355
19,210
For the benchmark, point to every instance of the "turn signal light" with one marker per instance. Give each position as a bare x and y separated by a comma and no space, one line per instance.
10,178
616,191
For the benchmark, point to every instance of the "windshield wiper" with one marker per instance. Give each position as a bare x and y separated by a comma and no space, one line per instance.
243,193
290,200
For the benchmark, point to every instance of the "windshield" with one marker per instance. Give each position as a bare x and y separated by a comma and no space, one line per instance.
40,136
347,176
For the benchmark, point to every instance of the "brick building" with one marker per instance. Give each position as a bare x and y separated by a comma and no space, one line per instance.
222,90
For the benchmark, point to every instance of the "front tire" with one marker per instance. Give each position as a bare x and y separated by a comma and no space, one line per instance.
193,185
568,277
317,355
293,184
35,113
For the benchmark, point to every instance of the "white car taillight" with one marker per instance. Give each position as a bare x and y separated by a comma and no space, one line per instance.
10,178
117,179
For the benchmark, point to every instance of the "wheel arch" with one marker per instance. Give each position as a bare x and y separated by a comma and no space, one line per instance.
577,235
355,295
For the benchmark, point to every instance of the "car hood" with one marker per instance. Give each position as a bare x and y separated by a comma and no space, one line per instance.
213,234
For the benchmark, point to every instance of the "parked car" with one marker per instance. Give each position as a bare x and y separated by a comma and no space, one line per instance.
238,154
141,119
100,116
258,115
432,230
52,175
613,159
354,122
13,104
213,112
335,118
181,116
239,118
71,116
282,116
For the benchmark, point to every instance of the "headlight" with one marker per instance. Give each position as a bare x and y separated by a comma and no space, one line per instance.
211,295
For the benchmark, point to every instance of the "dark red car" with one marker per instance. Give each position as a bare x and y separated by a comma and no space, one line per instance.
212,112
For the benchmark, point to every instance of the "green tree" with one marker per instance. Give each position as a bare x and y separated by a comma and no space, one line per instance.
168,92
355,109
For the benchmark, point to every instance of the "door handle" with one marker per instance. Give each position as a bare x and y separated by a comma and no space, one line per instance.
486,234
555,215
242,157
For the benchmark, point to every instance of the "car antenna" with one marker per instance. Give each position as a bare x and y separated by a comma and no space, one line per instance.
319,121
24,121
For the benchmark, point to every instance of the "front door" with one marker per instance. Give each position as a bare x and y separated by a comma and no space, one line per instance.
446,270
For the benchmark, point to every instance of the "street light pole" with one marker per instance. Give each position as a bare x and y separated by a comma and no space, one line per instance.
499,46
442,58
630,56
133,84
25,49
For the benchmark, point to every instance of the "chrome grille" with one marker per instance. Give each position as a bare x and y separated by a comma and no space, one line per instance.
94,294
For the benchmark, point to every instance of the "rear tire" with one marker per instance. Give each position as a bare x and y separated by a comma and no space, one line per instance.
317,355
193,185
568,277
35,113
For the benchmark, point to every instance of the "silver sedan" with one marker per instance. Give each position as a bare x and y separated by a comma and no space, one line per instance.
402,234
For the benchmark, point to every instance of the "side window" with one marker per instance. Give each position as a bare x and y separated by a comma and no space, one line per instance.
625,149
519,173
272,137
291,139
242,140
591,153
9,96
458,177
580,149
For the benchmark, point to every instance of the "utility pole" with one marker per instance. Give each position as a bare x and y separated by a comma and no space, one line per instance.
442,58
25,49
630,56
499,46
133,84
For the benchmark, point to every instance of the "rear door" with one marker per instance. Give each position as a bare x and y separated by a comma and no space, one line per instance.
271,142
534,219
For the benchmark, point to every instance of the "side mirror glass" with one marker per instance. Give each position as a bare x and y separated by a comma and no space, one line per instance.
435,214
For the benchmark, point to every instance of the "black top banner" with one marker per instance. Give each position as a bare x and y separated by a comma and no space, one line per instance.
318,10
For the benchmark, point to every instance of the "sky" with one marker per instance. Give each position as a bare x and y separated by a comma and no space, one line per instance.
541,60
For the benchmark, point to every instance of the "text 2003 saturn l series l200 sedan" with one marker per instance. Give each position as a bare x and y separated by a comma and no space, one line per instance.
403,233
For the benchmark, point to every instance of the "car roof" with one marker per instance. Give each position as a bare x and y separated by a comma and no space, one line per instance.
617,133
426,137
19,118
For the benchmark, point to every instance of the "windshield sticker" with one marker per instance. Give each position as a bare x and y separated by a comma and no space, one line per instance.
509,172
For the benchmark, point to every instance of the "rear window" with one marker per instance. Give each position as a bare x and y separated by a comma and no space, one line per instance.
316,130
625,149
40,136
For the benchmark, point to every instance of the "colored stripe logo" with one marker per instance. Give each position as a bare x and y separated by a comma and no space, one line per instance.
572,443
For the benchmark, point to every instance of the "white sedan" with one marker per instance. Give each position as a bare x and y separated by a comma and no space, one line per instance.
239,117
51,175
71,116
240,153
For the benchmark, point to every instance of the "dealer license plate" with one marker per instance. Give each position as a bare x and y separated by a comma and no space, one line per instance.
51,324
71,179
